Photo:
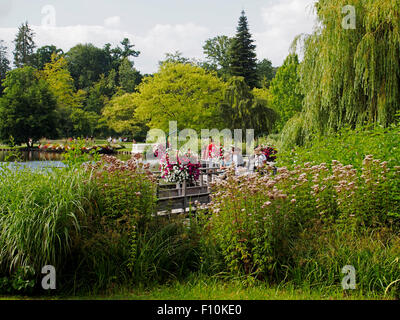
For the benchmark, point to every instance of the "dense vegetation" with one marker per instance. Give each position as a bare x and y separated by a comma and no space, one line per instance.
322,211
349,77
335,200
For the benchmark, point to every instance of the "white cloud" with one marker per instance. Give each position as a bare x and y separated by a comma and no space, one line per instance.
187,38
161,39
112,22
283,21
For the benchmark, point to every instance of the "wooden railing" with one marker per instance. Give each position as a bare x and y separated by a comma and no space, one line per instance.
180,197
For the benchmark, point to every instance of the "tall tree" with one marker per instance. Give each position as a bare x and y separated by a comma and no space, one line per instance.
27,107
43,55
127,49
101,92
180,92
24,46
61,84
119,114
217,52
129,77
242,110
266,72
86,64
4,63
118,54
351,76
176,57
243,58
285,96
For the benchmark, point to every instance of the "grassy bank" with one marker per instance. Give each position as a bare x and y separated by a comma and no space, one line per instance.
202,288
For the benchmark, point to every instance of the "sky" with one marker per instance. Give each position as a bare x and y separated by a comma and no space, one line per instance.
157,27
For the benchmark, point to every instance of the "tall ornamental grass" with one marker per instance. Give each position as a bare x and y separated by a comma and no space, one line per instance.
39,216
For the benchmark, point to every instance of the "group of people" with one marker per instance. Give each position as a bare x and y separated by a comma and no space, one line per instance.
120,139
217,157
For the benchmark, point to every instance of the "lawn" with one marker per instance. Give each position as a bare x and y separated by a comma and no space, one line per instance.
213,289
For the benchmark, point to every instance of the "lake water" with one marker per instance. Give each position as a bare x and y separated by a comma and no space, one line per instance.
39,160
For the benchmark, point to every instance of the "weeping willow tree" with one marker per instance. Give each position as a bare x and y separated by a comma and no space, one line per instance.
242,110
350,76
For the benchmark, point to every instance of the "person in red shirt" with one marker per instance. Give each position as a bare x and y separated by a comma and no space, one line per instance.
211,149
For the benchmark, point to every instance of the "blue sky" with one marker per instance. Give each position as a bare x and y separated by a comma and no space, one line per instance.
158,26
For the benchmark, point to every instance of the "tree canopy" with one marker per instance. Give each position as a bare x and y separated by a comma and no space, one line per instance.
241,109
43,55
87,63
217,52
180,92
285,97
27,107
4,63
351,76
119,113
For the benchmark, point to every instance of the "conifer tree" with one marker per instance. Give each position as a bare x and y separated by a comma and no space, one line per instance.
243,59
24,47
4,63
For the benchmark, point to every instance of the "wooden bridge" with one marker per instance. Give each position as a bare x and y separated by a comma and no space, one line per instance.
179,198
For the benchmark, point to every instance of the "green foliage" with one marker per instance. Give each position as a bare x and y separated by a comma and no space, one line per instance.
179,92
241,110
87,63
176,57
129,77
166,250
321,252
285,99
27,107
120,116
266,72
78,219
39,217
76,155
44,55
217,52
295,132
21,282
347,146
259,223
4,63
24,47
351,76
69,101
243,61
123,203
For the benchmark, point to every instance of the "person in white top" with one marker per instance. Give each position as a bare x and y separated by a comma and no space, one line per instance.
235,158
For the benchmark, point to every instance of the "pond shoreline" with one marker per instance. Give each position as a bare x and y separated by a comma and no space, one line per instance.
54,151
